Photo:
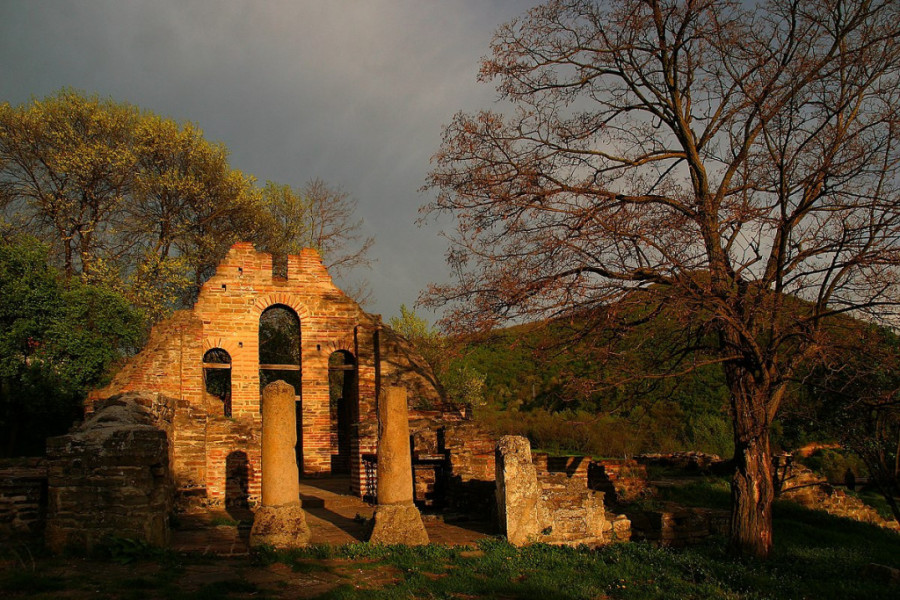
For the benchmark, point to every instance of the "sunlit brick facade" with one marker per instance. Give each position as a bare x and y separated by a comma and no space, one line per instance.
207,443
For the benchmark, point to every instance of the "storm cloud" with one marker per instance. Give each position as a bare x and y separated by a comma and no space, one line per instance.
353,92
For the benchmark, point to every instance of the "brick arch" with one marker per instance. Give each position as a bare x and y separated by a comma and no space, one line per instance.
264,302
217,342
343,343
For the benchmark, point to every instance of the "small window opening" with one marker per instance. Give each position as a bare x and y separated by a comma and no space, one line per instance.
217,377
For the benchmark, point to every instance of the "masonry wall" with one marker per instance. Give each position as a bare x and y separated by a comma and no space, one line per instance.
227,316
110,477
23,497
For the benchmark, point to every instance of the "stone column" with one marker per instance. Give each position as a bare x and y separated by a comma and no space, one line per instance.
280,521
520,510
396,519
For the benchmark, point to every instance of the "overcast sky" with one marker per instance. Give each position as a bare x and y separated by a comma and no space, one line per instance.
350,91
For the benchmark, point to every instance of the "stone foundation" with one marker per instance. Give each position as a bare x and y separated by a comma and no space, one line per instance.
23,497
678,526
109,477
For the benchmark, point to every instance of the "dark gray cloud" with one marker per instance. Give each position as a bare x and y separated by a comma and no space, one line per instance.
354,92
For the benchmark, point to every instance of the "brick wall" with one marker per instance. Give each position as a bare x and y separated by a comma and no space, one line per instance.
227,315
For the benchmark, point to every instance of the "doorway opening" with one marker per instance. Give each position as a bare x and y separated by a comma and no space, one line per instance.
344,408
279,359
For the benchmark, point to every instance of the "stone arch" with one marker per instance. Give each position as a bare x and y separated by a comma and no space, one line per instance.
229,346
343,343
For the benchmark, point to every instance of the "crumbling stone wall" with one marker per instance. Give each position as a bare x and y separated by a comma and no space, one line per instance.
471,475
555,506
800,484
227,316
622,480
110,477
23,497
678,526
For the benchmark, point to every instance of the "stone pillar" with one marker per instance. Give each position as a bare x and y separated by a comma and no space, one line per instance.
519,507
280,521
396,519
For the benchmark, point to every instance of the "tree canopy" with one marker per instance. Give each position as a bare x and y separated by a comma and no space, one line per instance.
57,341
147,205
713,158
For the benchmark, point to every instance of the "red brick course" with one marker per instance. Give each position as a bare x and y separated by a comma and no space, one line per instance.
226,315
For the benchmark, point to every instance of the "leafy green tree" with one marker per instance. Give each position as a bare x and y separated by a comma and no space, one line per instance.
67,165
464,383
146,205
58,339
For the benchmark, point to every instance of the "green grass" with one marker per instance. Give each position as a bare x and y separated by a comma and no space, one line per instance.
707,492
816,556
876,501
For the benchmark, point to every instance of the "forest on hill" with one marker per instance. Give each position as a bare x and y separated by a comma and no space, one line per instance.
571,392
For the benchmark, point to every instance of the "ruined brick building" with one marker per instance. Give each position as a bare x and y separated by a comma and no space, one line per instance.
250,327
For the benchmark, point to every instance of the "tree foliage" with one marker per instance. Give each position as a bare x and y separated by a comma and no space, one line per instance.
57,340
147,205
854,396
322,217
708,157
463,381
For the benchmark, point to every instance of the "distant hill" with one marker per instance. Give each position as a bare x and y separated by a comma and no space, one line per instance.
581,395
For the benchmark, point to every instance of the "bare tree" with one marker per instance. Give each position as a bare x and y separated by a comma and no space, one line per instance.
717,159
322,217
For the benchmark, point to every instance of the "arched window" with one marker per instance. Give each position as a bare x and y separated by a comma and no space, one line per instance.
279,358
217,377
279,347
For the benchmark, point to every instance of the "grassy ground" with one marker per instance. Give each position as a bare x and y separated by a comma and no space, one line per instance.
816,556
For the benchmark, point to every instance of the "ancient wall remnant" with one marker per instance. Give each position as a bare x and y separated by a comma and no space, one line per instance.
677,526
215,358
622,480
799,484
23,497
545,499
523,517
110,477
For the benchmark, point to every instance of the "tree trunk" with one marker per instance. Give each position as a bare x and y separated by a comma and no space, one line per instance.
752,485
752,493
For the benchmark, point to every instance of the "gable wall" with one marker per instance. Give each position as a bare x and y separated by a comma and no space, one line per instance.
226,316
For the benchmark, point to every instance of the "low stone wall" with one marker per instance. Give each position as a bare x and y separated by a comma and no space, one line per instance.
685,461
23,497
677,526
621,480
800,484
109,477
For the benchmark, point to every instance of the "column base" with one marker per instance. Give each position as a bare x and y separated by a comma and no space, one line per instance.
398,524
280,527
